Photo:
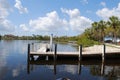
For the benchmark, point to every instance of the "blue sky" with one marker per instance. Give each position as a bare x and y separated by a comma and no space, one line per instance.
59,17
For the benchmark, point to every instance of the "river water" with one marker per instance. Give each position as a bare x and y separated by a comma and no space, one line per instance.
15,66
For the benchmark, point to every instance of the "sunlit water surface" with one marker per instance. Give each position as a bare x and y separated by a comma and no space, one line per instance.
14,65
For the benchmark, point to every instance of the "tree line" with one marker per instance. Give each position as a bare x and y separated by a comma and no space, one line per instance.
33,37
102,29
93,35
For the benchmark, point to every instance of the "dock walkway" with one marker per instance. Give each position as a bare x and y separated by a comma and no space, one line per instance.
96,50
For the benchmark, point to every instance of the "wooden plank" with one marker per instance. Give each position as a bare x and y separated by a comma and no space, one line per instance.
70,53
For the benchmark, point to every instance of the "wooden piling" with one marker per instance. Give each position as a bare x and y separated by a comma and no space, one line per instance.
51,42
28,52
80,53
55,67
102,68
103,54
32,46
55,56
79,67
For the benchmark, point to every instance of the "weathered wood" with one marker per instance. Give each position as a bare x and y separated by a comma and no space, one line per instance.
32,46
28,51
55,67
55,56
79,67
103,54
102,68
93,53
80,53
51,42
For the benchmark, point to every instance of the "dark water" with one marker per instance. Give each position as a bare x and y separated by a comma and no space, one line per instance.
14,65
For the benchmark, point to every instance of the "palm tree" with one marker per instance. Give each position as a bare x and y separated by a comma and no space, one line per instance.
114,23
95,31
102,28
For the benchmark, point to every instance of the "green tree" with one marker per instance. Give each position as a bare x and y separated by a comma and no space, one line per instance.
114,23
102,27
95,31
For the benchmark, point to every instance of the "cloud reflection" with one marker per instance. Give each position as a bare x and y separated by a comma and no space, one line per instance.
69,68
73,69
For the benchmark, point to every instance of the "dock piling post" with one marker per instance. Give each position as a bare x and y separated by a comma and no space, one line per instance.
80,53
103,54
102,68
79,67
28,52
55,52
32,46
51,42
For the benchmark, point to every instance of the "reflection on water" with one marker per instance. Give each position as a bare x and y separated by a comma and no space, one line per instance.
15,66
105,70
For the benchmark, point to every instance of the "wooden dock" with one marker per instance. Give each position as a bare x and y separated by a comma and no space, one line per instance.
95,52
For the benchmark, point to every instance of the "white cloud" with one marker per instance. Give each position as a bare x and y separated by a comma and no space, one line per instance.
24,27
19,6
72,13
103,4
4,7
5,24
105,13
51,22
77,22
80,23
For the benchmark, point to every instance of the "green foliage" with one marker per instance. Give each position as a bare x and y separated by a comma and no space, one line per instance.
101,29
85,41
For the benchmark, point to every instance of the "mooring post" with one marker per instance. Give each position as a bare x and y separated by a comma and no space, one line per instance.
102,68
55,52
103,54
80,53
28,52
79,67
54,67
51,42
